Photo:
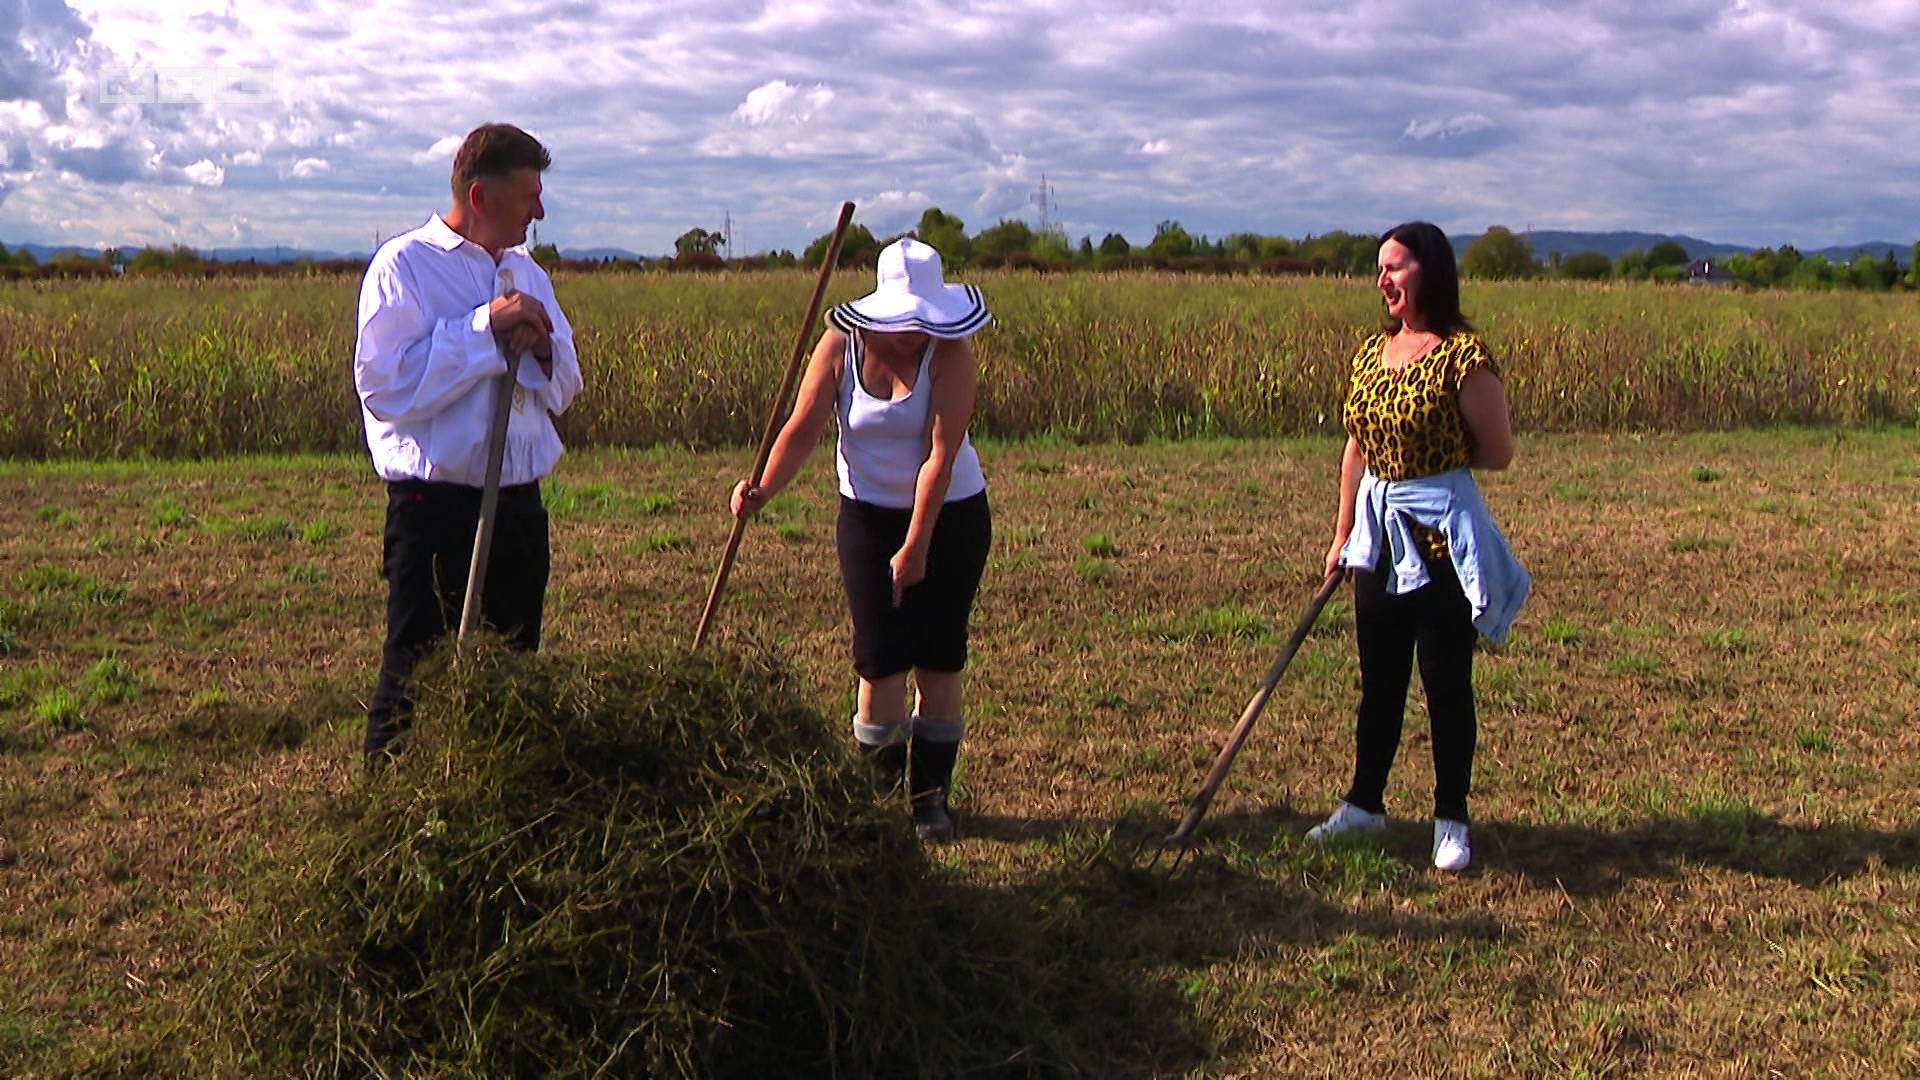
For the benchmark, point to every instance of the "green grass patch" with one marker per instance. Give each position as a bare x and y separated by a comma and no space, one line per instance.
1704,475
320,531
1813,740
111,681
208,700
1636,663
61,581
21,685
666,540
1093,570
1100,546
307,573
168,512
1843,970
1229,623
601,500
61,709
1738,640
1347,864
1561,630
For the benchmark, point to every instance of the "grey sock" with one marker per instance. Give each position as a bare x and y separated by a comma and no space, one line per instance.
877,735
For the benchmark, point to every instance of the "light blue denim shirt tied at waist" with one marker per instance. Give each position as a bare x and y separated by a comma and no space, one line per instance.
1449,503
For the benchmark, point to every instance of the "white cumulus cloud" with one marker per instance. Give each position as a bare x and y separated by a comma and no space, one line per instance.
440,152
781,102
205,173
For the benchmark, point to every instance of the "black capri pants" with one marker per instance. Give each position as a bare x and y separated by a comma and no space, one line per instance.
929,629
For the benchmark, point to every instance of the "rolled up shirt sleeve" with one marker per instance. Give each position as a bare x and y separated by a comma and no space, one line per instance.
407,365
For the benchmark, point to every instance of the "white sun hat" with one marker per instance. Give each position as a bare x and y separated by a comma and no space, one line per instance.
911,293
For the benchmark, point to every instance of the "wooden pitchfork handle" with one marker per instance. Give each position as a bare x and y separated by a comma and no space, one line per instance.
800,345
489,492
1224,762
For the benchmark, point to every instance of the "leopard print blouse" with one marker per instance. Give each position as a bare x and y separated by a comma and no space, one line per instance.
1408,422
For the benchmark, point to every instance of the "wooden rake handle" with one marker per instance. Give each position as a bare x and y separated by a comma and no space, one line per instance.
800,345
489,498
490,488
1222,764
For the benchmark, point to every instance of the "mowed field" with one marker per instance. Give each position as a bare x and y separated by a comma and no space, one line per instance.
1698,846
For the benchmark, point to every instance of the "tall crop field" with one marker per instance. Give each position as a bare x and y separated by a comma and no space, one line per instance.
162,368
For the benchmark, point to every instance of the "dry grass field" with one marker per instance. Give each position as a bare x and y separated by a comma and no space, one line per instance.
1697,836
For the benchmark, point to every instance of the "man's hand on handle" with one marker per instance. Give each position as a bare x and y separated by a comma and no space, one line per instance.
522,325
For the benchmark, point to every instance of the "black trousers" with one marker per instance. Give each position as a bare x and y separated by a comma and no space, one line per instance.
1434,622
929,629
428,548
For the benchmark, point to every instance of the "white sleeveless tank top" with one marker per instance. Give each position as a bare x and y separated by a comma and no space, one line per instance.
883,443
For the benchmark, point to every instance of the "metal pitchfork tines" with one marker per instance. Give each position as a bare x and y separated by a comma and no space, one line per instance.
1178,843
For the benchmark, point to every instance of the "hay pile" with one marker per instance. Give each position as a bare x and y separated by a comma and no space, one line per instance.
633,864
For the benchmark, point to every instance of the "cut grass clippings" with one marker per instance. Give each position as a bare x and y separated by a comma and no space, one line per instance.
640,863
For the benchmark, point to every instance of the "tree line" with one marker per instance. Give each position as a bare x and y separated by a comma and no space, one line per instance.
1503,255
175,261
1499,254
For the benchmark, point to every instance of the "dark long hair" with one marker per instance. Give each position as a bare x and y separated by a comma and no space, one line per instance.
1438,297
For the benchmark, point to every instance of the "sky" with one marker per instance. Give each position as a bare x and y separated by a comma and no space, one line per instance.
323,125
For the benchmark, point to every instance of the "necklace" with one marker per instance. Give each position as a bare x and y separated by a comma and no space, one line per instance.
1423,341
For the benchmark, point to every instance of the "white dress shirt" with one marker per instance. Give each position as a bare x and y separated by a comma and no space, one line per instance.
426,363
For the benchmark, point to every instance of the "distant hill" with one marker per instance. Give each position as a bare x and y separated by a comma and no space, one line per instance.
279,254
603,253
1546,242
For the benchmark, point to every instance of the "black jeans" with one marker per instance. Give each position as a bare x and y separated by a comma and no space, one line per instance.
1436,622
429,545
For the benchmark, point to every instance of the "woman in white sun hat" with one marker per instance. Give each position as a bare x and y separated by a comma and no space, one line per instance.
896,371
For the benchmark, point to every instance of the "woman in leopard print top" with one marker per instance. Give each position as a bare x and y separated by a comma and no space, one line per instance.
1424,398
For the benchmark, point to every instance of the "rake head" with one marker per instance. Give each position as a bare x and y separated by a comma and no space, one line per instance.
1170,855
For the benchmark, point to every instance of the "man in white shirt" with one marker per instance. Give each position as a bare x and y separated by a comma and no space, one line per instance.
441,308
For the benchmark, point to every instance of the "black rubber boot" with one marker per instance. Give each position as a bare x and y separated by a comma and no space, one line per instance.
931,773
888,765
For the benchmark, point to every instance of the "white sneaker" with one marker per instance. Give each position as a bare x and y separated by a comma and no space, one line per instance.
1452,850
1347,819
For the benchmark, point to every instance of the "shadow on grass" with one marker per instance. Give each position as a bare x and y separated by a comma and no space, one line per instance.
1595,862
266,725
1583,860
1225,895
